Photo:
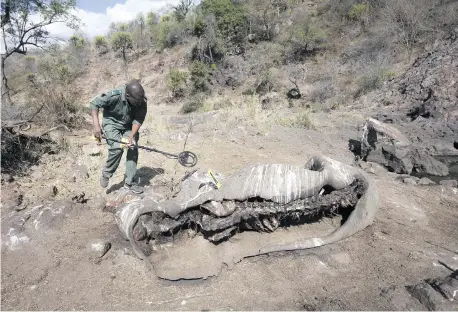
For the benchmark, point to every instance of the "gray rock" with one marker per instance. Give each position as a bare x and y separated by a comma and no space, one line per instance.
97,248
385,144
426,181
426,294
449,183
426,164
410,181
448,286
400,299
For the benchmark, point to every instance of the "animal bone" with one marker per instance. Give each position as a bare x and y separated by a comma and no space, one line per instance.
254,198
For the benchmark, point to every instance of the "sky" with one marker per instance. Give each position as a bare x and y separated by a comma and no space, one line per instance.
96,15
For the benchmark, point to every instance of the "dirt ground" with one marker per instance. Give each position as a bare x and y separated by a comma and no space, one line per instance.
46,264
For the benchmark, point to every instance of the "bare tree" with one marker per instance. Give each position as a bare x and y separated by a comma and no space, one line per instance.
23,24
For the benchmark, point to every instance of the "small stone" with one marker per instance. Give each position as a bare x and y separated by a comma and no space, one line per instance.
98,248
426,181
370,170
53,191
410,181
449,183
94,150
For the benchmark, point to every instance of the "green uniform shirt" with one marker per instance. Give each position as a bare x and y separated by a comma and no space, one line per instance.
117,112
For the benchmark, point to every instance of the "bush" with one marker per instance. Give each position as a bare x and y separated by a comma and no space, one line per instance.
302,121
199,76
195,104
77,41
323,91
304,38
168,32
408,20
360,13
176,82
55,69
373,80
229,16
100,42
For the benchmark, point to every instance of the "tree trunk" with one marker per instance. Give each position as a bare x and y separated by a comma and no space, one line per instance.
5,88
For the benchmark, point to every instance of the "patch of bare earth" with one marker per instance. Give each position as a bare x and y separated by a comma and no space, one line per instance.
48,262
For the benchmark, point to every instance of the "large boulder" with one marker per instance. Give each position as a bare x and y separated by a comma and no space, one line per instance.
385,144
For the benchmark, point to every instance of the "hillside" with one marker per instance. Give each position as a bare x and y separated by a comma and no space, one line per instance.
223,81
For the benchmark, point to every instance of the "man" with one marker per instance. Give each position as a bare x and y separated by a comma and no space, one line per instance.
124,111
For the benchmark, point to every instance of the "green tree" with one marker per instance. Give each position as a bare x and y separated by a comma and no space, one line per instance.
230,17
121,41
100,42
23,24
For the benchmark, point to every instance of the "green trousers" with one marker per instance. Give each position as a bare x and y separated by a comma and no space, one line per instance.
115,153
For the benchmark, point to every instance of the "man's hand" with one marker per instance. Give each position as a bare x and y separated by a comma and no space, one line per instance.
131,141
98,134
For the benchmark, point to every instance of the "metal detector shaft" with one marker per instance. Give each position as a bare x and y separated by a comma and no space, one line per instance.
185,158
151,149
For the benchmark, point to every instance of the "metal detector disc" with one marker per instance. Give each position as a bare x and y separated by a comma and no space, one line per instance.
187,159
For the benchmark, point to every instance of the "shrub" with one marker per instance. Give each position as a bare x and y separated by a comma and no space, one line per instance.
176,81
323,91
302,120
373,80
407,20
77,41
199,76
230,17
360,13
168,32
100,42
304,37
195,104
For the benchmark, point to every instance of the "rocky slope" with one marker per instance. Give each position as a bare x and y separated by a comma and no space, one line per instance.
423,103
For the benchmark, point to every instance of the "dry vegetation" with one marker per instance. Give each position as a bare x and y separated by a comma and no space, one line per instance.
237,57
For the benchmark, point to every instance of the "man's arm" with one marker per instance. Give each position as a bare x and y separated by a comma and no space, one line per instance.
97,131
98,102
138,121
135,128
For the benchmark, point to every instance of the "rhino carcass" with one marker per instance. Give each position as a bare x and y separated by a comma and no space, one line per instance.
260,198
